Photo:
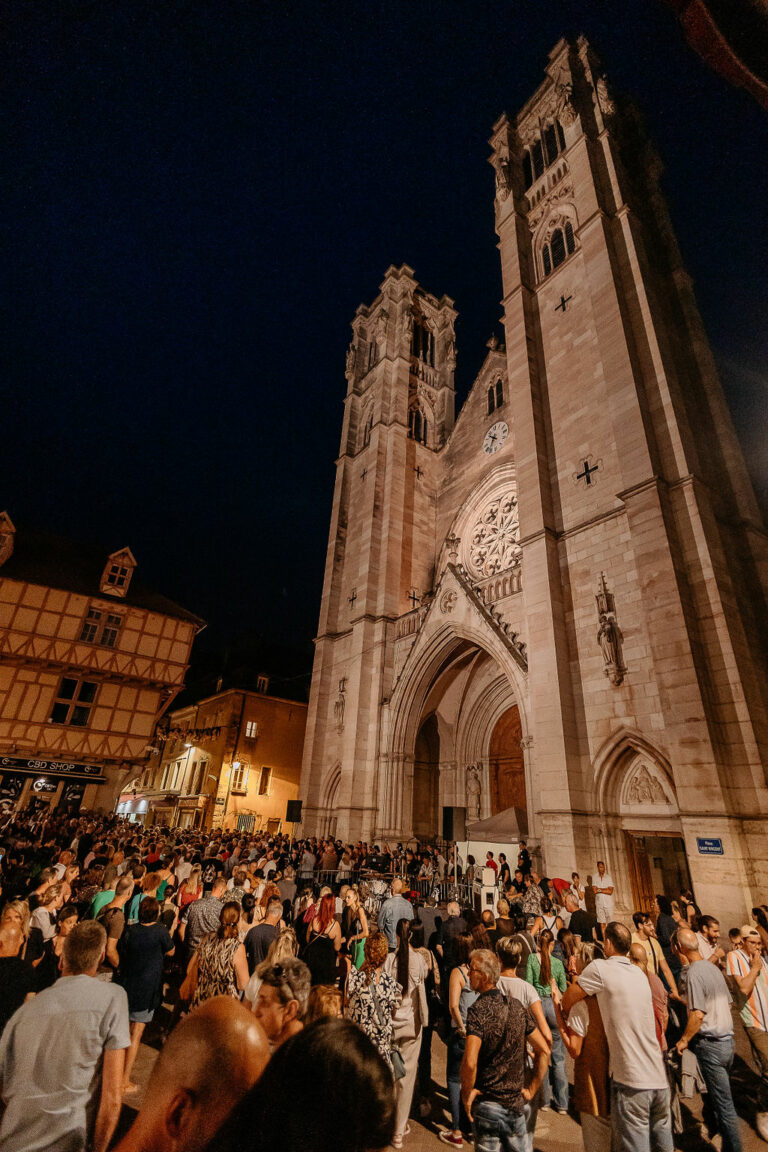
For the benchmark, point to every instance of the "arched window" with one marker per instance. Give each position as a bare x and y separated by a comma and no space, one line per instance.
538,160
560,135
558,248
499,393
550,143
491,400
527,170
417,425
570,243
547,259
423,344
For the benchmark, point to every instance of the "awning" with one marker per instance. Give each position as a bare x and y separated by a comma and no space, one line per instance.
507,827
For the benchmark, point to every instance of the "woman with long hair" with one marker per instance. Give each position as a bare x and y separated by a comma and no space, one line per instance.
409,969
219,967
543,971
355,927
17,912
42,924
435,1013
690,910
373,996
323,943
247,914
49,968
190,889
547,918
584,1037
285,946
565,950
460,999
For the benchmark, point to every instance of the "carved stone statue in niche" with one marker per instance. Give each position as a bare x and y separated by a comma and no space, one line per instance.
349,371
340,705
503,169
609,635
473,793
381,327
450,352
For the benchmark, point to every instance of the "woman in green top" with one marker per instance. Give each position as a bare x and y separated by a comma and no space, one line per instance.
542,971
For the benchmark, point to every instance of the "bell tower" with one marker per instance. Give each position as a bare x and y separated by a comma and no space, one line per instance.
398,414
633,495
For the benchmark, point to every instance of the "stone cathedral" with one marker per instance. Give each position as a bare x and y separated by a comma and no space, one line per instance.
551,611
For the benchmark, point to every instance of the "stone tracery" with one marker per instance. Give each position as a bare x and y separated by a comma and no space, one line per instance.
494,542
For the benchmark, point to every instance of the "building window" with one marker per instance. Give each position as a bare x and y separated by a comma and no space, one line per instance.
499,393
264,779
117,576
423,344
547,260
73,702
251,729
262,684
417,425
543,153
558,248
570,243
491,399
101,628
239,776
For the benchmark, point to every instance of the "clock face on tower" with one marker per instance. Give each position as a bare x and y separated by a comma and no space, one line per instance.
495,437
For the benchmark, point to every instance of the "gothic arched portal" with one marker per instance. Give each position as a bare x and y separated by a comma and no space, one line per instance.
506,763
426,778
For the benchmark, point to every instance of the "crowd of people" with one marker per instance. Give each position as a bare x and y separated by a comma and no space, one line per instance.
295,990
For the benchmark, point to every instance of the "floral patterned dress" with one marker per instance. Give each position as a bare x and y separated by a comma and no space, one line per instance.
362,1008
216,968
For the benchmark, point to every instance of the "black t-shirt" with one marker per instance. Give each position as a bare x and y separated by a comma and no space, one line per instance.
142,956
502,1026
257,942
582,924
17,979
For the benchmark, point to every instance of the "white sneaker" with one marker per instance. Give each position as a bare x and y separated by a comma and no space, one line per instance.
761,1123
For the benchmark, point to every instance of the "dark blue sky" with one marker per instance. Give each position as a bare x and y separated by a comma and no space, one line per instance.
196,197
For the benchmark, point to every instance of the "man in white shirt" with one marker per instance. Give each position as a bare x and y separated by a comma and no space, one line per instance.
708,937
640,1115
748,972
603,896
62,1056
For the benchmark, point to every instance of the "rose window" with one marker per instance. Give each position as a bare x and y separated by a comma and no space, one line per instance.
494,543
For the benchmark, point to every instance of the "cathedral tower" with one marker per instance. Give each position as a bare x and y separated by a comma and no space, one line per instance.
644,559
398,413
551,617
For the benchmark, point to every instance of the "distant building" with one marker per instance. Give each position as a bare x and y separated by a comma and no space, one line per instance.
89,661
232,760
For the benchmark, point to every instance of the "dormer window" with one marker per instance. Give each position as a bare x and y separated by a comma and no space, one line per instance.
117,574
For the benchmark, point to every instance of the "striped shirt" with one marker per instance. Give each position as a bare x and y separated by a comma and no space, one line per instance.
754,1011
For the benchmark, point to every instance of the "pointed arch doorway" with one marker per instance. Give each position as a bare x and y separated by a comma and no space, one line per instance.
506,764
426,780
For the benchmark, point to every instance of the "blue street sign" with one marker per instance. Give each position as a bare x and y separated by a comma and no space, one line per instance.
709,845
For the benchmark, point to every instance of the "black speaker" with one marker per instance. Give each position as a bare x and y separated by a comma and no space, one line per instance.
453,823
293,812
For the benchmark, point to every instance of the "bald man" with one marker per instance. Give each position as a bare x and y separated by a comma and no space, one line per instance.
16,976
209,1062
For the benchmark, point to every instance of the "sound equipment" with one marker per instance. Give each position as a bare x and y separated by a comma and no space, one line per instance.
293,812
453,823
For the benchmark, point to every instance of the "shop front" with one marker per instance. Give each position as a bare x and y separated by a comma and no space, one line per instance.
30,784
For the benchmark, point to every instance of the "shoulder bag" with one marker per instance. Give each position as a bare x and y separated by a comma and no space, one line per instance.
396,1056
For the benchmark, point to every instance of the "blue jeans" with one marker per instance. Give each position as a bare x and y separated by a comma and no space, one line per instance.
640,1119
455,1054
715,1056
556,1080
497,1130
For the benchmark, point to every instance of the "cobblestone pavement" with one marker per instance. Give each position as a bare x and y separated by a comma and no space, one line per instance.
554,1133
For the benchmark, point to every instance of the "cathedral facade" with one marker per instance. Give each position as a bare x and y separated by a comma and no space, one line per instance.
551,610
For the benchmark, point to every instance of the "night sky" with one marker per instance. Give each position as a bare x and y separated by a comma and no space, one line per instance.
195,198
